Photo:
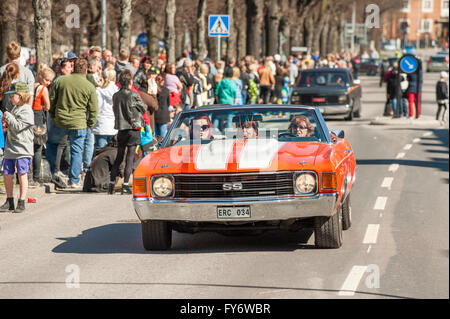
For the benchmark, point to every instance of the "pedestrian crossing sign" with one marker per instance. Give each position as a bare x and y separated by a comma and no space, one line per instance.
219,26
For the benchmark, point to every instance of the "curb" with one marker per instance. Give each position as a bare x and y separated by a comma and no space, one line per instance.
386,120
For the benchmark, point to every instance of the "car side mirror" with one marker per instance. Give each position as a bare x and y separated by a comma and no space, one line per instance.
335,134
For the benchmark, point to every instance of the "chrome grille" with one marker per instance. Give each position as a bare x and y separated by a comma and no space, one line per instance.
252,185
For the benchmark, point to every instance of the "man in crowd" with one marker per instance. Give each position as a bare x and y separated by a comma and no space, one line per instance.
74,110
122,63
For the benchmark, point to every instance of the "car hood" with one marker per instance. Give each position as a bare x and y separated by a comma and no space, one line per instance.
322,90
234,156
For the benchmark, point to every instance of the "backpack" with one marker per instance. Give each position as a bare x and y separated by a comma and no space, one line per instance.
253,90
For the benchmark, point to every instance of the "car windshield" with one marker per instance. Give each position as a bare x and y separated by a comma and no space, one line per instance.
281,124
438,59
323,78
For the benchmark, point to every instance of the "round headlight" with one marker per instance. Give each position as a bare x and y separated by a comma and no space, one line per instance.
162,187
305,183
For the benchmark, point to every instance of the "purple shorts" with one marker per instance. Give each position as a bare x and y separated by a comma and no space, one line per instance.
22,164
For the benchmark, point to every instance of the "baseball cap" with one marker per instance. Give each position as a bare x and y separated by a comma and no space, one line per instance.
154,70
18,87
444,74
70,55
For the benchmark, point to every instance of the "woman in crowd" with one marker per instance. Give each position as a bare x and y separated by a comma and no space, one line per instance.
173,84
104,130
41,104
162,115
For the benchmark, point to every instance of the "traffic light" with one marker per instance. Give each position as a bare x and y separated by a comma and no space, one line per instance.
404,27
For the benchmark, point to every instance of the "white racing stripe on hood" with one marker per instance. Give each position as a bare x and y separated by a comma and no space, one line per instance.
259,153
214,155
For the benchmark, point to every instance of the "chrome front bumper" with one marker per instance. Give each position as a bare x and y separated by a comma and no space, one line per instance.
261,209
334,109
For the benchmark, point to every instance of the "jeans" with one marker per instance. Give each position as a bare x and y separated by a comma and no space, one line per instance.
88,153
76,139
161,129
394,106
102,141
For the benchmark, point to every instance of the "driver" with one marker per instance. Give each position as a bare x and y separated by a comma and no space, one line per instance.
301,126
201,128
249,129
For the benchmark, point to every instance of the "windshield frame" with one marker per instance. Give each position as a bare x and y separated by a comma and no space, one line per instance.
323,70
320,120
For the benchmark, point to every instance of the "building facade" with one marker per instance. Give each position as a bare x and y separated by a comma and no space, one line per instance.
422,22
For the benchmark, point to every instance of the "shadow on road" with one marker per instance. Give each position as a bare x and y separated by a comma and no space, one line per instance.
125,238
436,144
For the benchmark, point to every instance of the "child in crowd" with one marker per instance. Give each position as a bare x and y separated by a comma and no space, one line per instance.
18,145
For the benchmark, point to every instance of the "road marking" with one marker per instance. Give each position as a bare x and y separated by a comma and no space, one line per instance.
407,147
368,249
380,203
427,133
371,234
393,167
416,140
352,281
381,214
400,155
387,182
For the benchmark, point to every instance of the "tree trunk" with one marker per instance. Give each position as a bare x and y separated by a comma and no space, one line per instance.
273,27
255,19
200,47
77,39
125,27
325,45
25,21
43,31
241,22
170,30
94,26
231,46
8,16
320,23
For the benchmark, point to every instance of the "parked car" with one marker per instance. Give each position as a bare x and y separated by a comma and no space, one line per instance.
370,66
409,48
437,63
387,46
235,169
333,91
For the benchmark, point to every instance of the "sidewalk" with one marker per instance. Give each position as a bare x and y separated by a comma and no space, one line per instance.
424,120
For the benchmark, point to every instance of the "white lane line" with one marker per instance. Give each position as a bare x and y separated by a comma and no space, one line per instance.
352,281
393,167
381,214
387,182
427,134
371,234
380,203
400,155
369,249
407,147
416,140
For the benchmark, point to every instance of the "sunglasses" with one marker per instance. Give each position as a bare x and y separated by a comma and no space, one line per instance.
203,127
296,127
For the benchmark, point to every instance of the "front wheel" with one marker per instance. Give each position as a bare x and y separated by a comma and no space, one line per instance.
328,231
156,235
346,213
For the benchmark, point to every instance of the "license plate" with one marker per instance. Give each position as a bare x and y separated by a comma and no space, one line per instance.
233,212
318,99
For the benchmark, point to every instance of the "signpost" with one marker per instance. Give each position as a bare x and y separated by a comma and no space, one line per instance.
219,26
410,64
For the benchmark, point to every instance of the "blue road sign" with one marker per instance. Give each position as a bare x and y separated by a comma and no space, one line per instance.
409,64
219,26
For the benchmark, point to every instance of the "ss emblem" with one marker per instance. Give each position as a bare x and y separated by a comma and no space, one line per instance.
236,186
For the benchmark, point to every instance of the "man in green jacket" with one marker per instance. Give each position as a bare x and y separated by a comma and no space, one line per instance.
73,111
226,91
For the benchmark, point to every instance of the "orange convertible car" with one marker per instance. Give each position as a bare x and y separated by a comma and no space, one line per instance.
235,169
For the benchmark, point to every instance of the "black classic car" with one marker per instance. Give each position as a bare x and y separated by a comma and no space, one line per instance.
333,91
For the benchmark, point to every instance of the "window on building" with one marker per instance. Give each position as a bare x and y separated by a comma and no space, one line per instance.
405,6
427,5
444,8
427,25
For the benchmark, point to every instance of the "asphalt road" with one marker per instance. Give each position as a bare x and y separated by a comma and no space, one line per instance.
76,245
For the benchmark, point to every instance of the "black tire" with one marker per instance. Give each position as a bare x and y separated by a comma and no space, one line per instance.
328,231
156,235
349,117
357,113
346,213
